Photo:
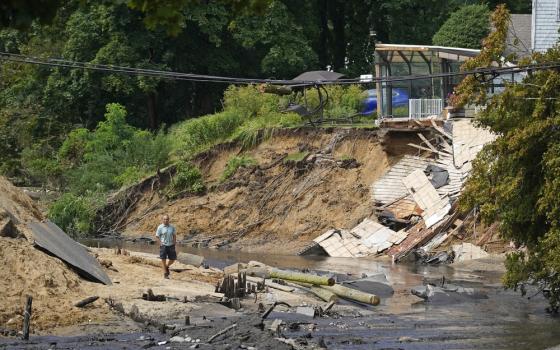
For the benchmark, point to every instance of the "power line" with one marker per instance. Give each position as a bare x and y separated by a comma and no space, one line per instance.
492,72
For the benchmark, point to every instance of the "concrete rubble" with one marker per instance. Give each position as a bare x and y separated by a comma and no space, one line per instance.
416,200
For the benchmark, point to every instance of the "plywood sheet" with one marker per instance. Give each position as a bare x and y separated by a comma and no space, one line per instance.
51,238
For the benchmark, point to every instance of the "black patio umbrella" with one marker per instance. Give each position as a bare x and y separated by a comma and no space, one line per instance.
318,75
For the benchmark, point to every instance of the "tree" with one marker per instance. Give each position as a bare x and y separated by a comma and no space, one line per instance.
465,28
515,179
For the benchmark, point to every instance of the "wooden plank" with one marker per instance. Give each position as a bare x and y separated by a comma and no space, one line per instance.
435,126
428,143
425,148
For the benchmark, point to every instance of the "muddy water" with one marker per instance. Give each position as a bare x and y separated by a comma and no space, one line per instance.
504,320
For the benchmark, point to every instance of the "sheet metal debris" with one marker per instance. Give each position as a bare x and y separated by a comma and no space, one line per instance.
51,238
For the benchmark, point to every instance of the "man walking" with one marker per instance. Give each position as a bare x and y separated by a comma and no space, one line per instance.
167,237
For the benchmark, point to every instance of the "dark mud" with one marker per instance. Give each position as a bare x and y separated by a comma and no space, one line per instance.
493,318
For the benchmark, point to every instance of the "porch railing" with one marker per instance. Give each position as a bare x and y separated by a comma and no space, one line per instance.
423,108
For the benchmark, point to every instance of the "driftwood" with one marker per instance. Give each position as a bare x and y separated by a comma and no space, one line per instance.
86,301
302,277
352,294
223,331
276,303
150,296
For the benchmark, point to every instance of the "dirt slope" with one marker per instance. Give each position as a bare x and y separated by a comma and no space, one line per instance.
279,203
28,271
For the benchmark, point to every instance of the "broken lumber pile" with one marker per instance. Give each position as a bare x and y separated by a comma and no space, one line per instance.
416,199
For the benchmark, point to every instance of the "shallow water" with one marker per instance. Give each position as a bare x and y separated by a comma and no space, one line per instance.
504,320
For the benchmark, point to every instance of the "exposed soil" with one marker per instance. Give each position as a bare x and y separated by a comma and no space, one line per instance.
279,204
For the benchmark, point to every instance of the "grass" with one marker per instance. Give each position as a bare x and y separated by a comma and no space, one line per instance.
235,163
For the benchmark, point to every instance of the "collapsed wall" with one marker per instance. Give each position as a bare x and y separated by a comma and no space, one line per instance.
416,199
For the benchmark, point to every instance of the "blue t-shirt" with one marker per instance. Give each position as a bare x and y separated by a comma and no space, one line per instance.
165,234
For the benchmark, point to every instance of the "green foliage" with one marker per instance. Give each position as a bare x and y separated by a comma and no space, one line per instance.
75,213
515,179
235,163
187,178
248,116
465,28
344,100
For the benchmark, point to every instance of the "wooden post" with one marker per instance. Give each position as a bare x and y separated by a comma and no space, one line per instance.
187,320
27,317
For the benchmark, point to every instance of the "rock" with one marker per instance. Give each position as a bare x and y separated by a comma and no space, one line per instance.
177,339
190,259
468,251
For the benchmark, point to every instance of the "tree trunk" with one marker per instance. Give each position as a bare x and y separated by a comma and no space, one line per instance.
337,13
352,294
153,121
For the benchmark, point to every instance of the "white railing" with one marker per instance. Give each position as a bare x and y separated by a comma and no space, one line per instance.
422,108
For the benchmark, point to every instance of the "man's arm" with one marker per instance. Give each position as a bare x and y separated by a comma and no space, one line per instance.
157,236
174,235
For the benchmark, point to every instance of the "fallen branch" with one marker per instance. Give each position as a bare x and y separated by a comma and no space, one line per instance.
276,303
223,331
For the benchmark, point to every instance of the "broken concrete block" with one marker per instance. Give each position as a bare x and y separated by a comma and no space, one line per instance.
306,311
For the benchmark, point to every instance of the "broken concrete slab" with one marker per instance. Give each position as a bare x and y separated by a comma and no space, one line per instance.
425,195
367,238
51,238
447,294
308,311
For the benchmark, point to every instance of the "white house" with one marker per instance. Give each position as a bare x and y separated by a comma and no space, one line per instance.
545,24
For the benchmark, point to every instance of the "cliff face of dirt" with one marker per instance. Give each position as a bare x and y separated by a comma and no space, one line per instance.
28,271
306,181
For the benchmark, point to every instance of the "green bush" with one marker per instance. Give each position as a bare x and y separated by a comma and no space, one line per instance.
115,154
235,163
187,178
247,115
465,28
75,213
343,101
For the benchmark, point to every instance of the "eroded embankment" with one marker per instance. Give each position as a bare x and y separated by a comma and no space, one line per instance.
280,204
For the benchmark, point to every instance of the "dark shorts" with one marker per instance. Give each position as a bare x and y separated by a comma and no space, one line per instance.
167,252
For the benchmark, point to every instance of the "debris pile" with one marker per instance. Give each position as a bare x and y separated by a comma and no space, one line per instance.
416,199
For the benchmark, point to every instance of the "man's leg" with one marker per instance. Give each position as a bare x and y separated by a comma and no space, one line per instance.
164,265
171,257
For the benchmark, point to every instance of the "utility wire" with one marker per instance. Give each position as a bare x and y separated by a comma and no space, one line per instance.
488,73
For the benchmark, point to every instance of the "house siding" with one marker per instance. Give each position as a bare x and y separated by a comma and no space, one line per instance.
545,24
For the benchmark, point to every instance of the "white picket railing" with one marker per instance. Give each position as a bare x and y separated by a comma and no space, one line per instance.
421,108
